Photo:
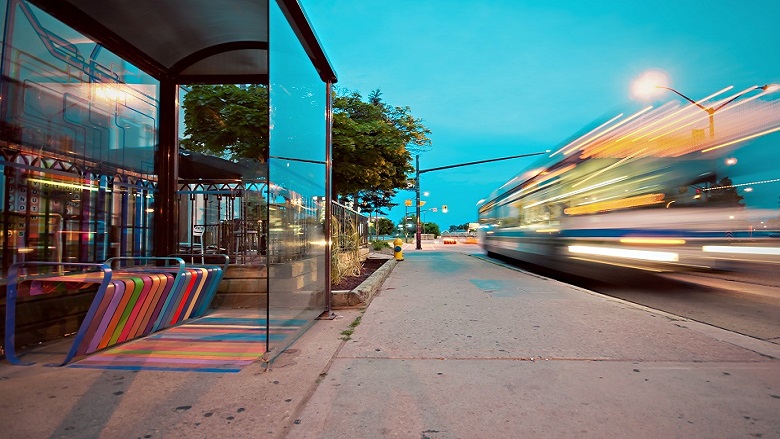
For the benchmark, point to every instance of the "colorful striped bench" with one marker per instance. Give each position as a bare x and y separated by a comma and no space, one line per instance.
131,301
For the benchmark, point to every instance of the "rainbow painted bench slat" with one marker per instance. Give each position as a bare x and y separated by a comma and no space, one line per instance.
131,302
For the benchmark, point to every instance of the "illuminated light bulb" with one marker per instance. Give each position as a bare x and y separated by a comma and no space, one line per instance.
647,84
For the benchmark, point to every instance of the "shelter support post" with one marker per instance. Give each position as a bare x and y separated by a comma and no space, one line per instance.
166,215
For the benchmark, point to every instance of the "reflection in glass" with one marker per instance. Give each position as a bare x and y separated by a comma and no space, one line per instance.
296,192
79,131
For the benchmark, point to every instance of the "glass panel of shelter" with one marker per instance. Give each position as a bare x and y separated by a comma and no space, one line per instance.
80,129
223,218
78,144
297,283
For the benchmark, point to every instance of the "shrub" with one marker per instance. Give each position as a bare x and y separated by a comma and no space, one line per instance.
345,257
379,245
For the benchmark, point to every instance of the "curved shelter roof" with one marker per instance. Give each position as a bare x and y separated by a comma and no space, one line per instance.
190,41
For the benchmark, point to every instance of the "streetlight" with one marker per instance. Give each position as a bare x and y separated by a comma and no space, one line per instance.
417,182
712,110
423,212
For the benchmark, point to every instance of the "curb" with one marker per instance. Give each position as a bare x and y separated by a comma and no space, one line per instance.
362,294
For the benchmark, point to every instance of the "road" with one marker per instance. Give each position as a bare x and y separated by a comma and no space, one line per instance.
746,301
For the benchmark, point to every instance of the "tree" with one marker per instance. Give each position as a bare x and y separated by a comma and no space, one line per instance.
409,224
370,141
725,194
227,121
376,200
384,226
431,228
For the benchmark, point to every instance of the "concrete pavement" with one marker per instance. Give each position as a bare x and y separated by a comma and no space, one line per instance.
64,402
458,347
453,346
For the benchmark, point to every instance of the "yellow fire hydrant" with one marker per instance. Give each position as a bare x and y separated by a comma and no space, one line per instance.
398,249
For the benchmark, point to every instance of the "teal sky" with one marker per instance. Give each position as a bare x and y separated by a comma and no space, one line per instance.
499,78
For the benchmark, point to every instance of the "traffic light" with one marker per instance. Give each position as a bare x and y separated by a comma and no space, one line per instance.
444,208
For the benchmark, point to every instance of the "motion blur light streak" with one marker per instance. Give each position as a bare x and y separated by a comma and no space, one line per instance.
615,264
541,180
585,189
588,133
720,113
690,106
662,200
763,133
644,255
608,145
742,250
675,124
654,241
625,203
603,170
671,106
610,129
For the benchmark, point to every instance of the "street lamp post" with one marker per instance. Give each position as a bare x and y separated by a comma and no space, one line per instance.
417,182
423,214
712,110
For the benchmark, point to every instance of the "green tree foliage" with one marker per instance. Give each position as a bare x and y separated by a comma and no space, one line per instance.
371,143
384,226
371,140
725,194
431,228
459,227
409,224
375,201
227,121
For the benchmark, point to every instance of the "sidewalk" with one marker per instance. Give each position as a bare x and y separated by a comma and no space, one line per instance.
458,347
453,346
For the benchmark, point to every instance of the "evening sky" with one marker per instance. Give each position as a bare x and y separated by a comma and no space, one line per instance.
506,77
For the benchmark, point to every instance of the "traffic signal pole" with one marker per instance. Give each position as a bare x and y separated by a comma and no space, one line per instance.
417,182
418,234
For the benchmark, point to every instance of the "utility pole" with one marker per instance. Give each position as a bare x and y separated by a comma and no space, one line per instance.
418,236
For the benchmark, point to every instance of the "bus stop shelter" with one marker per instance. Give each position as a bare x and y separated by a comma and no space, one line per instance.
91,94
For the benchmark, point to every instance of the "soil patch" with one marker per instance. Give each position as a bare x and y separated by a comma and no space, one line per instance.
370,265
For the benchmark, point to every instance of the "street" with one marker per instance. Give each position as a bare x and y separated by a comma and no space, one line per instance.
746,301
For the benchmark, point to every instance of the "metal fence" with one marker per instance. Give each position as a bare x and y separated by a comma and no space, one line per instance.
232,218
349,228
